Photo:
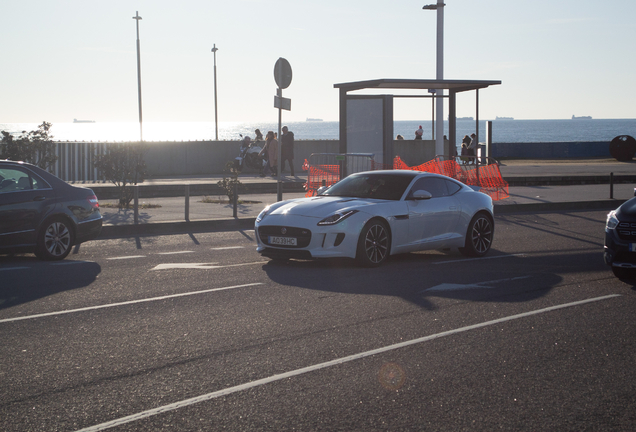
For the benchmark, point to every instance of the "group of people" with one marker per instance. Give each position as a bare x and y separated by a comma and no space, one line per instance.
469,146
270,151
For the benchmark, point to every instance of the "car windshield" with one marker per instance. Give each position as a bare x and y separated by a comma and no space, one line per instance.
371,185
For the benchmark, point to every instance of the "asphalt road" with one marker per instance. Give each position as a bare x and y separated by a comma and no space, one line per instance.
199,333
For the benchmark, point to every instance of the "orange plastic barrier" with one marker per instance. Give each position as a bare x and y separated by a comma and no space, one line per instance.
488,177
321,175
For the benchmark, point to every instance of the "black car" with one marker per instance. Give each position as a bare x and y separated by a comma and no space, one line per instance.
620,240
42,214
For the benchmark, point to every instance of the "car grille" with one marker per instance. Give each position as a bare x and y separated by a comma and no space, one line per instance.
627,230
302,235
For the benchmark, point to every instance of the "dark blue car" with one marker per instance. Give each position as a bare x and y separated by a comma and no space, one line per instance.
620,240
41,214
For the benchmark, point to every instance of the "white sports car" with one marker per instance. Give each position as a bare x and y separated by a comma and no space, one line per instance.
371,215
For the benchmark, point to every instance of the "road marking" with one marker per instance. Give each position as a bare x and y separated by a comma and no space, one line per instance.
174,253
127,257
301,371
129,302
200,266
479,259
481,285
228,247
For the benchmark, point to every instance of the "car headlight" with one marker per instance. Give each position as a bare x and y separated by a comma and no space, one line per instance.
336,218
262,214
612,221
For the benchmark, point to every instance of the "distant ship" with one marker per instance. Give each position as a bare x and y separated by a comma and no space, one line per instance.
313,119
504,118
581,118
463,118
83,121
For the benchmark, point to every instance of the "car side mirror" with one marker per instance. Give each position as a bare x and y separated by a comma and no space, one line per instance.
422,195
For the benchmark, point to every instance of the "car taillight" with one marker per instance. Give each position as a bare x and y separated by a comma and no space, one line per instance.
92,199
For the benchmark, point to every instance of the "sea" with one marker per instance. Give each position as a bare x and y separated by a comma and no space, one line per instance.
504,131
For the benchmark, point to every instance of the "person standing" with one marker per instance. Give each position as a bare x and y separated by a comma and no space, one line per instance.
287,149
271,147
472,147
419,133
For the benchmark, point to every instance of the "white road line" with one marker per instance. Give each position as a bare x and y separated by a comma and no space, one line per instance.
273,378
228,247
477,285
174,253
128,302
127,257
201,266
479,259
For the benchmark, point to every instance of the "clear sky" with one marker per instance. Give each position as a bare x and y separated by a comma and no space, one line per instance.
65,59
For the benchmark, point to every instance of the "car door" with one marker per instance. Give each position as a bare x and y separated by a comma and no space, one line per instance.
24,200
432,221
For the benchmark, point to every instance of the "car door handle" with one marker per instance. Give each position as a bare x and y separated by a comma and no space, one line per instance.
39,198
452,208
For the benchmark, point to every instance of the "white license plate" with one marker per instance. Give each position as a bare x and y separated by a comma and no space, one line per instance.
283,241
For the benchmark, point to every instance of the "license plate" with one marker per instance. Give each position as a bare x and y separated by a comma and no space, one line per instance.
283,241
632,247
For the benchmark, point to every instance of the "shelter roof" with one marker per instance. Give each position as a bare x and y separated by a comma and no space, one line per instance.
388,83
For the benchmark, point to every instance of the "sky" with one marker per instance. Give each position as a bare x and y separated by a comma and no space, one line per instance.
66,59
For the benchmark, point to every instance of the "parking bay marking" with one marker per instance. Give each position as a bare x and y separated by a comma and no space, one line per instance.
480,285
200,266
342,360
89,308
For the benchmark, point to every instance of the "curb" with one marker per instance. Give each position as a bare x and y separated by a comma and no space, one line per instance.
220,225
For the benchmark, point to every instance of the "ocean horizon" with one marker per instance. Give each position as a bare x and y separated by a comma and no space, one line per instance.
504,131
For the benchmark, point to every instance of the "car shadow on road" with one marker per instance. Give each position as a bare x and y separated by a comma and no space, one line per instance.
25,278
426,278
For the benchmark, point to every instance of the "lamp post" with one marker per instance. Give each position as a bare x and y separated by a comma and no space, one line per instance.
141,133
439,139
216,117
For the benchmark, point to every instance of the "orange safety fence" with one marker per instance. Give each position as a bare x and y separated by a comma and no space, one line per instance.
487,177
320,175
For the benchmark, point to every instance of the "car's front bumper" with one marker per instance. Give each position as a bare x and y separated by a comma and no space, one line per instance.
619,252
313,241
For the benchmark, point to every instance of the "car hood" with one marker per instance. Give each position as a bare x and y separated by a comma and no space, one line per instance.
322,206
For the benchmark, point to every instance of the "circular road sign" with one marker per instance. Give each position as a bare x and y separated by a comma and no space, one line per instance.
282,73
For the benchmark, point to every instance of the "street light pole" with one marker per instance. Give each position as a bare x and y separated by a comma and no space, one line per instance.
439,139
141,134
216,117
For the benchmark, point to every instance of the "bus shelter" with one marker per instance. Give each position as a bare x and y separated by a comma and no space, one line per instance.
366,121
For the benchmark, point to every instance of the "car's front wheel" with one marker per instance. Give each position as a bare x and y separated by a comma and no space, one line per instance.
55,240
479,236
374,244
624,273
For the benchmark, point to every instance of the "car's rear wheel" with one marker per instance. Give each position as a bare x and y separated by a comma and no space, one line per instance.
55,240
374,244
479,236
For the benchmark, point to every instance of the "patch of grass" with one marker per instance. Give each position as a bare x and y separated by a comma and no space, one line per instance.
208,200
130,206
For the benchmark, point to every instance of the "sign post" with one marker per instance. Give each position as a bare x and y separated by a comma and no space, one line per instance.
283,78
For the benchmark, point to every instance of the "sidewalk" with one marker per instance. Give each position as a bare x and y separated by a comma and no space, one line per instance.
552,186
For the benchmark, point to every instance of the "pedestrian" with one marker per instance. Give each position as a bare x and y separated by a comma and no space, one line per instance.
472,147
259,135
399,137
287,150
419,133
271,150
